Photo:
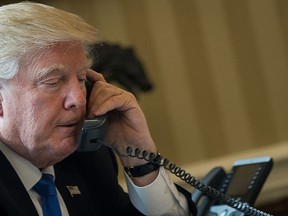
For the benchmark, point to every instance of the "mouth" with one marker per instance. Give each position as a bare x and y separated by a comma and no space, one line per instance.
69,125
69,129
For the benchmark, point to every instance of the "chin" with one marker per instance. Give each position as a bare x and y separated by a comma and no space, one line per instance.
68,149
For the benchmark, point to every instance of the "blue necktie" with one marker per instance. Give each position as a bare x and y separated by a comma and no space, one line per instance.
49,201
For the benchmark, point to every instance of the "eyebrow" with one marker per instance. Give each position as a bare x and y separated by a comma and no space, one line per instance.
47,70
57,68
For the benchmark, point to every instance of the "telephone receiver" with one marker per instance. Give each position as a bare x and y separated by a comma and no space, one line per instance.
93,130
92,133
217,194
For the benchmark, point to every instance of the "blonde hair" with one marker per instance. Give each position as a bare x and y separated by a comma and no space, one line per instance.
26,28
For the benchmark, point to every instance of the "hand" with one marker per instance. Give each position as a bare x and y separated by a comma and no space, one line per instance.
127,123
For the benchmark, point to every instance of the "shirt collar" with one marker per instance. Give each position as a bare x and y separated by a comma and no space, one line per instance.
27,172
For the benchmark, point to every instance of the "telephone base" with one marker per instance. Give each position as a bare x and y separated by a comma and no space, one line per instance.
224,210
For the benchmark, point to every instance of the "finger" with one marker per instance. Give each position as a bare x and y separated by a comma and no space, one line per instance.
94,76
101,92
107,98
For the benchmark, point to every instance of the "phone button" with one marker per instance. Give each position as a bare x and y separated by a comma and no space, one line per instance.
224,213
224,210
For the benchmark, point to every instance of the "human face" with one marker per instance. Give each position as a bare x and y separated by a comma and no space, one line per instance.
44,105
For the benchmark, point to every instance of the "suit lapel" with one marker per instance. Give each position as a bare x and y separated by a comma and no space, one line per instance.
74,192
15,200
15,197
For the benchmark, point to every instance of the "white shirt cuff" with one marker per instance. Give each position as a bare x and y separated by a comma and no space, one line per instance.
157,198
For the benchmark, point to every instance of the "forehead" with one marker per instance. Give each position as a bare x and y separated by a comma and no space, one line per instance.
63,56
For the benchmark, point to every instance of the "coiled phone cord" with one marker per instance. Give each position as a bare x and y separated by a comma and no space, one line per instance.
188,178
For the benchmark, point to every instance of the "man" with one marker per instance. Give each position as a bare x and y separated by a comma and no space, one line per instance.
44,63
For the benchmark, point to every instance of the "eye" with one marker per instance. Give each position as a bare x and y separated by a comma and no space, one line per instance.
51,83
82,79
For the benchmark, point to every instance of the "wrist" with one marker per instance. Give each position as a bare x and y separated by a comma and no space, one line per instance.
141,170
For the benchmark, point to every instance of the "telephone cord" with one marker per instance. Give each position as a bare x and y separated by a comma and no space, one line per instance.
189,179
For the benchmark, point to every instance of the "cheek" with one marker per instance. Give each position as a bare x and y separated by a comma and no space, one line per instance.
35,115
28,121
30,109
41,106
41,113
19,121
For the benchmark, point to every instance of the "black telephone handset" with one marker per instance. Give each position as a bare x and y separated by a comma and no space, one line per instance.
92,133
93,130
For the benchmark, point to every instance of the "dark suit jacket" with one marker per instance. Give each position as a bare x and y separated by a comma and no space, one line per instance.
94,173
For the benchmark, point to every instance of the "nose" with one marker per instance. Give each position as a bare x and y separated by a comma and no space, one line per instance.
75,96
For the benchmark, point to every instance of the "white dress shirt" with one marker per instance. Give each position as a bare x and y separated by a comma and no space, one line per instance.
158,198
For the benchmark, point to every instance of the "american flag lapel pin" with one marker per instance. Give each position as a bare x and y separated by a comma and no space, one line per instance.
73,190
